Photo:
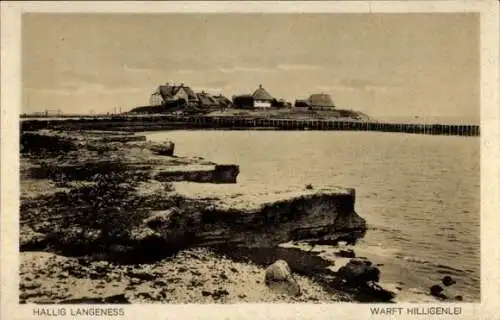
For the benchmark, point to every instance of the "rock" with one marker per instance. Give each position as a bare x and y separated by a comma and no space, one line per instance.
116,299
359,271
377,292
226,173
448,281
160,283
199,173
161,219
322,216
195,273
349,253
459,298
219,293
206,293
163,149
196,283
279,278
30,239
141,275
437,291
30,286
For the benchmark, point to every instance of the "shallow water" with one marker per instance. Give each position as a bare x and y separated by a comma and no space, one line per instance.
419,194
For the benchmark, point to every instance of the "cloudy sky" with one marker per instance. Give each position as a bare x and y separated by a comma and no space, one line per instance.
381,64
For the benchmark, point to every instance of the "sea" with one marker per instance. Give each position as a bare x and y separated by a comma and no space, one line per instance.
419,194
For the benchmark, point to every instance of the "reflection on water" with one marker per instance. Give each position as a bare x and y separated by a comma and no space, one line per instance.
419,194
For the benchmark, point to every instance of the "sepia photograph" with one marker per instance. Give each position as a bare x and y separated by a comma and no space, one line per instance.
250,157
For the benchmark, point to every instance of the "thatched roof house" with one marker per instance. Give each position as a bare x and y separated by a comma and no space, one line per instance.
262,95
206,100
262,98
244,101
316,101
321,100
222,101
174,93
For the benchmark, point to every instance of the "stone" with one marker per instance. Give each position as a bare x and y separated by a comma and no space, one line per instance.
349,253
30,239
219,293
160,219
359,271
437,291
448,281
279,278
205,293
163,149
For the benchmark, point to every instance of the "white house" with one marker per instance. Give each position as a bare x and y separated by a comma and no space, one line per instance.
262,98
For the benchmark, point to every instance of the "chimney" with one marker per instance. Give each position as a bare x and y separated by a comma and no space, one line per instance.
260,86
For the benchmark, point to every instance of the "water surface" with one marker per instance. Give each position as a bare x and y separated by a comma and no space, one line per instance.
419,194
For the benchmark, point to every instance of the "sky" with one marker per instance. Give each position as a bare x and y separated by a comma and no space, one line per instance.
385,65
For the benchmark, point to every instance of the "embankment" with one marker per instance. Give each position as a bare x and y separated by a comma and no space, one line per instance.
169,122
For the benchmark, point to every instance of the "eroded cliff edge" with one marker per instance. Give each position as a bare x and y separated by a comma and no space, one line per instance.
178,202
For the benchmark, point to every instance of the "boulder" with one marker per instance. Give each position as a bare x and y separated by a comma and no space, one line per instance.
448,281
226,173
349,253
279,278
163,149
161,219
437,291
359,271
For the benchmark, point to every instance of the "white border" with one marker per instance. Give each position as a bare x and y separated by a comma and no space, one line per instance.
489,308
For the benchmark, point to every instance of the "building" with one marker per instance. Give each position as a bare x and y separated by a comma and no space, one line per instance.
166,94
244,101
262,98
206,100
317,101
321,100
223,101
156,99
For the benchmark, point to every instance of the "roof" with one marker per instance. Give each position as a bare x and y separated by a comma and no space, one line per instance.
246,96
321,100
222,100
168,91
262,94
206,99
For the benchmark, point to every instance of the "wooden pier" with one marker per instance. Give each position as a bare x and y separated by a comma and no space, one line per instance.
170,122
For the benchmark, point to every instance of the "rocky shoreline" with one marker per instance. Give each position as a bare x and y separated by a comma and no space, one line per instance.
112,218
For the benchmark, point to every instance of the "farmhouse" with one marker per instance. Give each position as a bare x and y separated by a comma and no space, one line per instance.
206,100
259,99
317,101
171,93
262,98
244,101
